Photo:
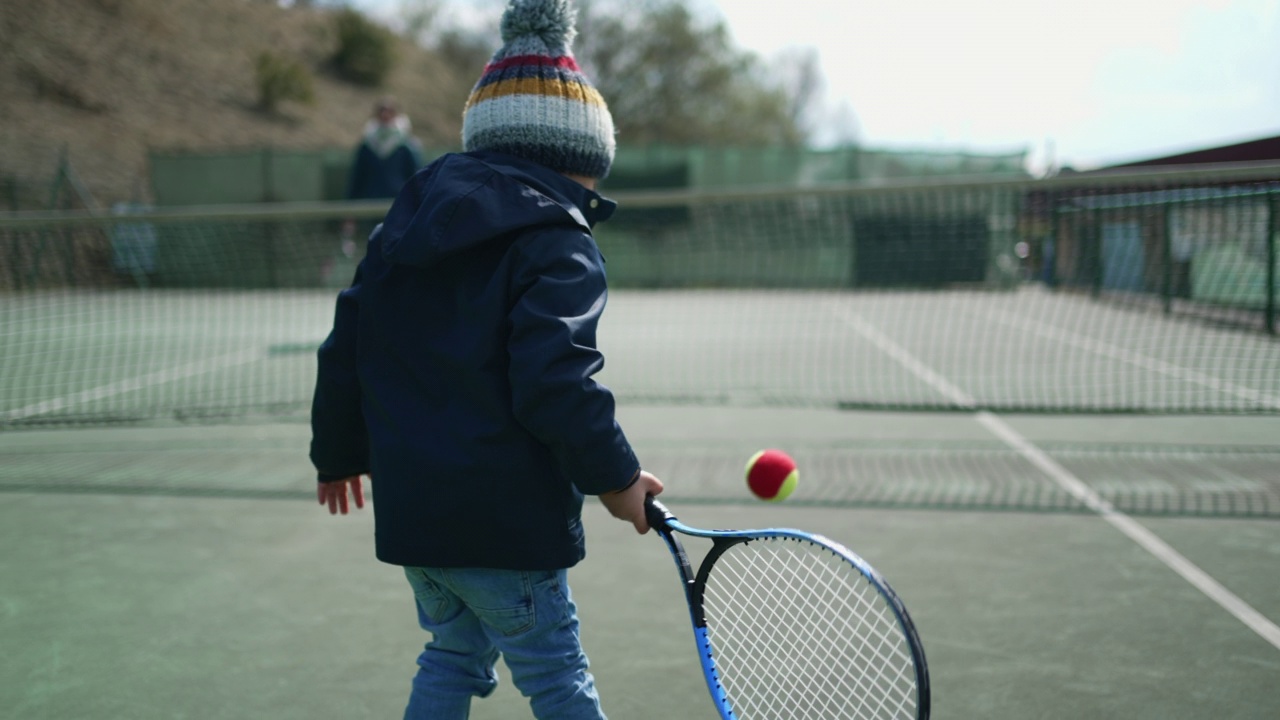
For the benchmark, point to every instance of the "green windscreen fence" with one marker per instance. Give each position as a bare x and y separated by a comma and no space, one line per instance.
1149,292
268,174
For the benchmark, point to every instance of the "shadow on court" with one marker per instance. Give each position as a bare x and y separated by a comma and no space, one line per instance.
186,572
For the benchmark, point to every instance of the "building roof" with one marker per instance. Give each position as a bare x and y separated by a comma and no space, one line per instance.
1252,150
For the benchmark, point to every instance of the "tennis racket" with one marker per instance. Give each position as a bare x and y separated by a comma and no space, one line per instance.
791,626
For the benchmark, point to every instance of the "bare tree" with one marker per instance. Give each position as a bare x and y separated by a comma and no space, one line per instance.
670,77
799,71
420,19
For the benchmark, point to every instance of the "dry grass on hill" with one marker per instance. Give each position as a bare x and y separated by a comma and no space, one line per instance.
109,79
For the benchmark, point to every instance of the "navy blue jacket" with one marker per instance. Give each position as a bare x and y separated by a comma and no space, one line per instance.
459,369
374,177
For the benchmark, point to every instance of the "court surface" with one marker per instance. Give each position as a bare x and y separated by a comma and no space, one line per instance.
1107,563
186,572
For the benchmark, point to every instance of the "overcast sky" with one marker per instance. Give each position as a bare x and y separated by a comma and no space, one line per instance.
1075,82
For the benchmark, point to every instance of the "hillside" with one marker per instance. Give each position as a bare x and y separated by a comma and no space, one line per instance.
110,79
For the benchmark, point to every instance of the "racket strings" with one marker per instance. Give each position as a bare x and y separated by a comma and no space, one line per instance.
824,705
794,647
792,693
799,632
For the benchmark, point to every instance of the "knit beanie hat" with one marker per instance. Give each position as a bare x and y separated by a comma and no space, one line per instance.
534,102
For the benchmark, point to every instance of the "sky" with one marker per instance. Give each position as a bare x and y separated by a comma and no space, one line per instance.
1081,83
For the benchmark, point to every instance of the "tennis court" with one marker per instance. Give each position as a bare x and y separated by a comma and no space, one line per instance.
191,577
1073,483
173,565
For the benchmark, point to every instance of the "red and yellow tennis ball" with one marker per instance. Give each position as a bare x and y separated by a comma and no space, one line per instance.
772,475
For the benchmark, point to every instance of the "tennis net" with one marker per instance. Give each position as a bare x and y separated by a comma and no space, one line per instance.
1144,292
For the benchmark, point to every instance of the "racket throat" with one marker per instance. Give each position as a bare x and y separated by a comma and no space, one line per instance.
698,586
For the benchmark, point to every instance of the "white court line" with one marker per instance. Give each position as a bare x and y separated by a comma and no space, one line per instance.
1137,359
123,386
1148,540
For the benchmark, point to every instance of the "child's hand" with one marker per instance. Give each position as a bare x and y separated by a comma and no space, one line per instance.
628,504
334,494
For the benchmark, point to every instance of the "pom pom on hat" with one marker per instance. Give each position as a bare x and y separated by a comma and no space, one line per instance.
533,101
551,21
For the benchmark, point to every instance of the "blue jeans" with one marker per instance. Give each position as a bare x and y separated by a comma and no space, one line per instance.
475,614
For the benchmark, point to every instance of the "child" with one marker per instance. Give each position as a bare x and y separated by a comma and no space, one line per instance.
459,375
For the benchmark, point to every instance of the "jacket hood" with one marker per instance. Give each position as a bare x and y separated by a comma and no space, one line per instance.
464,200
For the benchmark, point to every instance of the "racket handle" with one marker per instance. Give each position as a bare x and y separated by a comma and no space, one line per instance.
656,513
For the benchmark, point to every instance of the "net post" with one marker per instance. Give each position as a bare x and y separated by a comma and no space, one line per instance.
1273,229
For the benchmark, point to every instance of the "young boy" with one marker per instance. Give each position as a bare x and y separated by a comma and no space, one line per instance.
459,376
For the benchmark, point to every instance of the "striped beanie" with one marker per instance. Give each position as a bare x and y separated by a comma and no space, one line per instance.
534,102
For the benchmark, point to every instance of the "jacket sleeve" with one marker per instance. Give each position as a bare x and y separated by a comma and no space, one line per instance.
339,440
560,294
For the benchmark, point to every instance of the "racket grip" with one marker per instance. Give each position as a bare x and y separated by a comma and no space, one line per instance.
656,513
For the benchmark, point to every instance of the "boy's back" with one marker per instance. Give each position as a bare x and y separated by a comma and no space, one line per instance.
474,317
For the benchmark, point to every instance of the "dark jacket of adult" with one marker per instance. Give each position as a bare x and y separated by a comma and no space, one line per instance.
459,370
375,176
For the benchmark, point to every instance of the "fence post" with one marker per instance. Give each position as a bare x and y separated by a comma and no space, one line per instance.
1049,246
1167,257
269,227
55,193
1273,228
1097,263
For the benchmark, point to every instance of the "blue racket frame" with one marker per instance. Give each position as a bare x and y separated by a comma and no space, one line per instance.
665,523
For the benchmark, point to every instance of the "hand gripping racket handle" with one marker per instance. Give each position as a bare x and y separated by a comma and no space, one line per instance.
656,514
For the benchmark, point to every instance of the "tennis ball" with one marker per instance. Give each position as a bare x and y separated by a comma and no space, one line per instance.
772,475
